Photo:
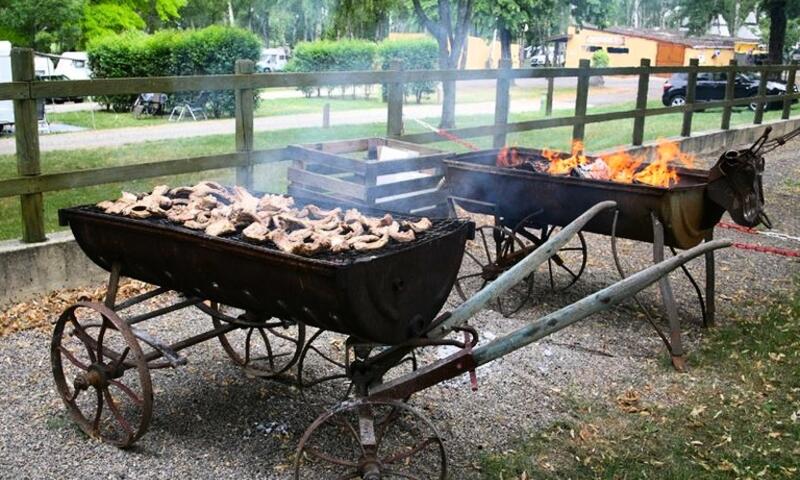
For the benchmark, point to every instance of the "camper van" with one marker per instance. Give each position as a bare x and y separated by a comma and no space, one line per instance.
272,59
6,106
74,66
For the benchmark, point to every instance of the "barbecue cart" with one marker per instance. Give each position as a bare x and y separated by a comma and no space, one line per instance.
385,302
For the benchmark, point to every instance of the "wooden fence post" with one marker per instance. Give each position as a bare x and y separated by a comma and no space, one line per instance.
762,90
790,83
394,97
730,92
691,95
641,102
245,104
581,100
26,133
326,115
502,101
548,102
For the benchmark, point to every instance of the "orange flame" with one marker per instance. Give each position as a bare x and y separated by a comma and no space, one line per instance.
562,166
662,172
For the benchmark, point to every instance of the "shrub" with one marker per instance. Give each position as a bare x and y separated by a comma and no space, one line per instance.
212,50
329,55
600,59
414,54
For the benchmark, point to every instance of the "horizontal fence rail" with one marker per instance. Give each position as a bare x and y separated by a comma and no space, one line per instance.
32,183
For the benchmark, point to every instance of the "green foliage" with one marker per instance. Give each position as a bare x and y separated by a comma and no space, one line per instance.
212,50
108,18
327,55
42,24
600,59
414,54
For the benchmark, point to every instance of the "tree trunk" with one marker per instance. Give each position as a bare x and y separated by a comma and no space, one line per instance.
777,30
448,89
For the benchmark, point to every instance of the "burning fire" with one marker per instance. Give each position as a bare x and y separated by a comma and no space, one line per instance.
619,167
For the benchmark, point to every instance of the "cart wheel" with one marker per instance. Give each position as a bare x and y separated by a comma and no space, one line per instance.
494,250
265,352
563,268
101,373
371,440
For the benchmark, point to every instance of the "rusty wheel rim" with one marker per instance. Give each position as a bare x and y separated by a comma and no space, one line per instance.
377,439
101,374
266,352
494,250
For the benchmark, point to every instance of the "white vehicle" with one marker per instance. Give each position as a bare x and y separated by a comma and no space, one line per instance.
6,106
272,59
43,66
74,66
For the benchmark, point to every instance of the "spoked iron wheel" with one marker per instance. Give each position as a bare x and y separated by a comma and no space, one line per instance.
101,374
266,352
565,267
494,250
371,440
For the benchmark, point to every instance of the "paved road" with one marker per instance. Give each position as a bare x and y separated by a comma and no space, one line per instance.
614,90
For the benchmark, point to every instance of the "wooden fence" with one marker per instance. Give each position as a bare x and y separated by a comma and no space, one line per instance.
31,183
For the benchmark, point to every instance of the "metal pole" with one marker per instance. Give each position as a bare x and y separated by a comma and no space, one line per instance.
548,102
502,100
762,90
394,98
730,93
581,100
590,305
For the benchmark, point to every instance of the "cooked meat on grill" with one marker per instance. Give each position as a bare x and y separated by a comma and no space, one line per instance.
306,230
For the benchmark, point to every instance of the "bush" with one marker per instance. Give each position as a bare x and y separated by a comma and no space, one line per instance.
600,59
414,54
212,50
328,56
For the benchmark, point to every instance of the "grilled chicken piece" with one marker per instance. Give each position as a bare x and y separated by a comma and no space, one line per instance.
371,245
275,203
256,231
220,227
419,226
400,236
317,213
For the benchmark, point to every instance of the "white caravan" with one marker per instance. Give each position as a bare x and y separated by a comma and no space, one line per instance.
74,66
272,59
6,106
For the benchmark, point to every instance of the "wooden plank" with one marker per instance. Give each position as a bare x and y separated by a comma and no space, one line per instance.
760,105
329,184
414,202
581,99
641,102
730,92
312,195
14,90
691,91
405,186
245,106
790,82
501,103
394,98
548,102
99,176
391,142
387,167
301,153
26,134
341,146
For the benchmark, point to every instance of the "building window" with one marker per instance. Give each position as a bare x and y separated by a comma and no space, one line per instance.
592,48
618,50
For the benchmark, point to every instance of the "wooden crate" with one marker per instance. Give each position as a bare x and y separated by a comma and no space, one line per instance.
349,171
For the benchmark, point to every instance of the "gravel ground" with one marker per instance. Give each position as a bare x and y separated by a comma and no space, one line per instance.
213,421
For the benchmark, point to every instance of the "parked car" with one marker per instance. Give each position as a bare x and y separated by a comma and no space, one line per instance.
711,87
52,78
272,60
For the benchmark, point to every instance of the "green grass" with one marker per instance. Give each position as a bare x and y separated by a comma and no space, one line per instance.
738,416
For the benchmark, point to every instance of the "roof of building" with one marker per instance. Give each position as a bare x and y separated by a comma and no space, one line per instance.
675,36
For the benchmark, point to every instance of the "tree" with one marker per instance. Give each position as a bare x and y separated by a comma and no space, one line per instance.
106,18
450,30
42,24
362,19
698,15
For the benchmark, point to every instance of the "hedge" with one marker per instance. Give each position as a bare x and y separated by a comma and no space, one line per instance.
212,50
414,54
328,55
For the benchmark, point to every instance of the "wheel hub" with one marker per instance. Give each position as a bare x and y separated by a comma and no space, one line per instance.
370,469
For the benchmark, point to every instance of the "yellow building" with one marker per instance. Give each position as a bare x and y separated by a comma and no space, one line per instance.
479,52
627,46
